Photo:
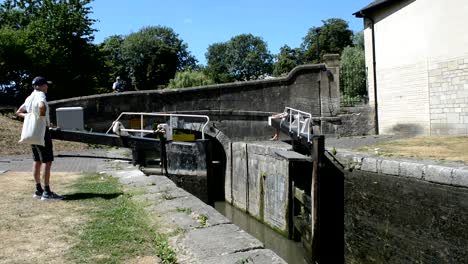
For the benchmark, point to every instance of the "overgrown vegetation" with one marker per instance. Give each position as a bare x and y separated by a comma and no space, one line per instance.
189,78
119,229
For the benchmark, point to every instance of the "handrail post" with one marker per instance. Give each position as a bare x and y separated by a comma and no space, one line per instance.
141,125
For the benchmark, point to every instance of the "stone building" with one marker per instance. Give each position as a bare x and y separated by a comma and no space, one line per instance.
417,59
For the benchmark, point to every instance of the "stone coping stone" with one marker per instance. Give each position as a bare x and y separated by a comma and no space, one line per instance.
447,173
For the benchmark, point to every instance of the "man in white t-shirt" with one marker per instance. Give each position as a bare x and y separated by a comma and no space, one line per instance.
41,154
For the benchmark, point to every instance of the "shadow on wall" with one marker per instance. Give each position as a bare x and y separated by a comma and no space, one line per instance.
407,129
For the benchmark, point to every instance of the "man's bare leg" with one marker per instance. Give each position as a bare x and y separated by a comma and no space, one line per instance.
37,171
47,167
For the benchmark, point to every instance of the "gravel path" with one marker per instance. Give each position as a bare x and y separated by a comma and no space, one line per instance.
86,161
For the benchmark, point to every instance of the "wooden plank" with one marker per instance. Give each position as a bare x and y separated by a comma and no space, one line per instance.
303,198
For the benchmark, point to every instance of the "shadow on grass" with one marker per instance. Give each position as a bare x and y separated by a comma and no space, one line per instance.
84,196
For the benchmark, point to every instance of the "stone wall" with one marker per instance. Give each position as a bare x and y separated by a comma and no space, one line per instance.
309,88
448,82
300,90
351,121
391,219
404,211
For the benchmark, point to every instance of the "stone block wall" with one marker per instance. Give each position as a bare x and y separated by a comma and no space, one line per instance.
392,219
403,99
448,86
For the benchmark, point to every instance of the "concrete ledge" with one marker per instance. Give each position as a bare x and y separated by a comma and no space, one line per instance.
413,170
438,174
423,170
390,167
460,177
369,164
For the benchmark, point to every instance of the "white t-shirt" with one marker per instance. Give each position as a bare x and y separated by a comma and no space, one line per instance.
117,86
31,104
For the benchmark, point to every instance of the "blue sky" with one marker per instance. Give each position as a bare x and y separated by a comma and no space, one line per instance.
200,23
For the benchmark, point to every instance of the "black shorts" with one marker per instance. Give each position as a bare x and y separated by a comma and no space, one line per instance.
44,153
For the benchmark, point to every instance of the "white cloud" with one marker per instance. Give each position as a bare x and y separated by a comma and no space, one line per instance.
188,21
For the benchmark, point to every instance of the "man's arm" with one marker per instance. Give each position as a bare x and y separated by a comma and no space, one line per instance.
21,112
42,109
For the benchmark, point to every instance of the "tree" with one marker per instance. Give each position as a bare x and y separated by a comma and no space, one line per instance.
153,55
217,64
287,59
189,78
332,37
12,58
114,63
358,40
244,57
353,75
57,38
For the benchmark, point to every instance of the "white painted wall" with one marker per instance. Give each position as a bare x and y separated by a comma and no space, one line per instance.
415,42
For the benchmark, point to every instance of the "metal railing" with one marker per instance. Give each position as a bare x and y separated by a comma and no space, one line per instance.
299,121
171,116
353,85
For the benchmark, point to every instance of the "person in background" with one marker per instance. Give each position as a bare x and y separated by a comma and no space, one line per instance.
283,117
41,154
118,86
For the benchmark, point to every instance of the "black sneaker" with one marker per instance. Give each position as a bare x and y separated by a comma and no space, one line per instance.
38,194
51,196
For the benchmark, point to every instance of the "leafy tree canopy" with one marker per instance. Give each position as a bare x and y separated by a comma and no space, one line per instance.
153,55
244,57
286,60
217,67
332,37
114,63
55,37
358,39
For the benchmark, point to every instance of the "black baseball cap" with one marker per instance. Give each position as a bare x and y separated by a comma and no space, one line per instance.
39,80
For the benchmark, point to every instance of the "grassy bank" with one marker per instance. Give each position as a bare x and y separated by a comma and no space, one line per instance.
119,230
10,129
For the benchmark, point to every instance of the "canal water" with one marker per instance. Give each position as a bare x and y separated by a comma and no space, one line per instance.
291,251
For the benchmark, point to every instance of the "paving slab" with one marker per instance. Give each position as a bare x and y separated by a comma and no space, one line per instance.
257,256
218,241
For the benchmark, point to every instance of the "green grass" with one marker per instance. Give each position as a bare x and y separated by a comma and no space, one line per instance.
119,229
